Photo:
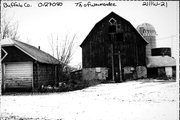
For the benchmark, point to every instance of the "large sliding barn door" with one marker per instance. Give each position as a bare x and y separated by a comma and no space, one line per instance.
18,75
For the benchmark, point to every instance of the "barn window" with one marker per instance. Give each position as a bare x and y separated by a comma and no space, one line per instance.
119,37
112,21
112,28
118,27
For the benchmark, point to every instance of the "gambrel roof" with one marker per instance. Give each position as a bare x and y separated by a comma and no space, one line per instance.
33,52
109,16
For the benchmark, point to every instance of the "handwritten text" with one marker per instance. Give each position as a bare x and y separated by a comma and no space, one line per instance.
89,4
16,4
153,3
50,4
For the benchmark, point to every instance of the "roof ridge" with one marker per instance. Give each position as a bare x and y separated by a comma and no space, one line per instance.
113,13
36,53
32,47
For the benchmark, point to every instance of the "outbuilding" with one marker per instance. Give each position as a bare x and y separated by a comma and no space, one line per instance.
26,67
161,67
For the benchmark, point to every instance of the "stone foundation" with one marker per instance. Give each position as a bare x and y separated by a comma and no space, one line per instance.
99,73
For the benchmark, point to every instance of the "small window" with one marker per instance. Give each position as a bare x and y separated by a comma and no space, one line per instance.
112,21
118,27
98,69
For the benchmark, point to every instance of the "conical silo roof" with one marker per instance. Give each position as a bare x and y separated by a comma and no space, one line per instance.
147,27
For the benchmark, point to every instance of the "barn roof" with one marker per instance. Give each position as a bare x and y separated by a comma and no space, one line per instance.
160,61
31,51
111,15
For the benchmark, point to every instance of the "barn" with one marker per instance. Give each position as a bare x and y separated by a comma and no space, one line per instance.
114,44
25,67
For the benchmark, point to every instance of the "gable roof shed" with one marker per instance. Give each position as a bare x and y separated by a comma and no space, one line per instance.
160,61
31,51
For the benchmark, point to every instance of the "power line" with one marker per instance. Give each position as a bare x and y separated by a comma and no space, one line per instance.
172,36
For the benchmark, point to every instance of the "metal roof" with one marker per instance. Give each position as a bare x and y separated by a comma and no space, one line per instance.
30,50
160,61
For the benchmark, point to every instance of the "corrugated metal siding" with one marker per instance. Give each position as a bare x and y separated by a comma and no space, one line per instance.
18,75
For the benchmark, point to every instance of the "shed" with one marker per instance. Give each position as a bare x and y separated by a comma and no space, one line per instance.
27,67
161,66
114,43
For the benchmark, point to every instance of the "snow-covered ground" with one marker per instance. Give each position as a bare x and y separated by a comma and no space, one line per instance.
134,100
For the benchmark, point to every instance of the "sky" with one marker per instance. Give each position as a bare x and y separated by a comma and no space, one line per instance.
37,23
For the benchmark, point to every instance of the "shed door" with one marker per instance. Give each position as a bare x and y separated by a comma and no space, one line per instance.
18,75
168,71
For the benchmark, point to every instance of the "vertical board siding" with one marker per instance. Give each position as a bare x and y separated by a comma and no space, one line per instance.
46,75
96,48
35,75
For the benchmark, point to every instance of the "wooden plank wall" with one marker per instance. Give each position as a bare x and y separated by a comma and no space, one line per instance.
46,74
18,82
96,48
18,75
96,51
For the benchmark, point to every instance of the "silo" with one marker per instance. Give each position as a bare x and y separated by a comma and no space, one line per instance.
149,34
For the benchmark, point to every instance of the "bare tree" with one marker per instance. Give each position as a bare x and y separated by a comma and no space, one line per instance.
9,29
62,49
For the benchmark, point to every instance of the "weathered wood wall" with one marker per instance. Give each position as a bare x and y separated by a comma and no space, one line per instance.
97,50
17,75
46,74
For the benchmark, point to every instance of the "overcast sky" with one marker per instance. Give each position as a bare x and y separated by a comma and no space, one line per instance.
37,23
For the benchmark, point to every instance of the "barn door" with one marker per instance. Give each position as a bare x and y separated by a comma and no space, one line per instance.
117,67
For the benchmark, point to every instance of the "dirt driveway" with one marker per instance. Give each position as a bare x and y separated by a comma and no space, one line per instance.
135,100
